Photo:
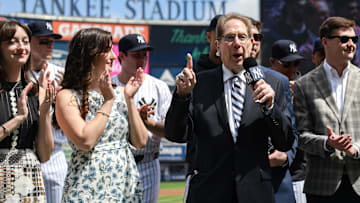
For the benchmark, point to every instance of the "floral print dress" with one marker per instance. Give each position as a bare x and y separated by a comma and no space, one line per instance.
108,173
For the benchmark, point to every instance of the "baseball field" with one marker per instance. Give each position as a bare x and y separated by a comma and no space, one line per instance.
172,192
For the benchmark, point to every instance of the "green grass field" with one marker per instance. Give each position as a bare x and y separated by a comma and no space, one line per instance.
175,185
172,185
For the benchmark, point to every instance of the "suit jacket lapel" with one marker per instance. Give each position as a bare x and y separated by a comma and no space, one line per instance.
323,85
351,87
219,97
248,103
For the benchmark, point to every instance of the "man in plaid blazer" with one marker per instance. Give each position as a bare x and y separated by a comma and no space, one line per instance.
327,110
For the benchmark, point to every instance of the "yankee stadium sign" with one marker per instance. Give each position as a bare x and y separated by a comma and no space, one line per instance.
195,10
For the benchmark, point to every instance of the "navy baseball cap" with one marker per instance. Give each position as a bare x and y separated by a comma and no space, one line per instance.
213,23
43,29
133,42
285,51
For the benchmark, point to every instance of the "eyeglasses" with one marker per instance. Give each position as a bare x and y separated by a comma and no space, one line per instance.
229,38
46,42
345,39
258,37
290,64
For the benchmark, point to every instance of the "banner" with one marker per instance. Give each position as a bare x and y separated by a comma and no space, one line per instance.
68,29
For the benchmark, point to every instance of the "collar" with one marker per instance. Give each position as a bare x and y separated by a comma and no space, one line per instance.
332,71
228,75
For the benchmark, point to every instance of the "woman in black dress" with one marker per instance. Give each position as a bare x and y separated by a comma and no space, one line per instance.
25,132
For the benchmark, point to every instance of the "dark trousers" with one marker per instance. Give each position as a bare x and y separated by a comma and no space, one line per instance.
345,193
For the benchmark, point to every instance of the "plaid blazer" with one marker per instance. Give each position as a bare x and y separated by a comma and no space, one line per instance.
315,108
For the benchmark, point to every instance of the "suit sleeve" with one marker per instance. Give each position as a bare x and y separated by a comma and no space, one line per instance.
178,122
281,134
308,141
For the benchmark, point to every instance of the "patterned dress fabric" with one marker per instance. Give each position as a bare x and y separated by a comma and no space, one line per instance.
108,172
20,173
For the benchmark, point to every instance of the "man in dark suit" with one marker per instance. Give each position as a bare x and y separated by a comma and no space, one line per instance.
232,159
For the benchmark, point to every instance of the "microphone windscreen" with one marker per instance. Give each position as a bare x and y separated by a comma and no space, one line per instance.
249,62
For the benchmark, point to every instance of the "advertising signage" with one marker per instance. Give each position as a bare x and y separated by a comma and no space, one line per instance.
171,44
67,29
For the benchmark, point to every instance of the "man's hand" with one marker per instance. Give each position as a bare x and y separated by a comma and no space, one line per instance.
277,158
339,142
185,81
263,93
59,76
352,151
145,112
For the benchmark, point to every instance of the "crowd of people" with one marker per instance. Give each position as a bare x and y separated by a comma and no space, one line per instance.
253,133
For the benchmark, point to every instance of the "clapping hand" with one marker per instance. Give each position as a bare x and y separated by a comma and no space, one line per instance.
50,93
23,111
134,83
186,80
59,76
339,142
105,86
145,112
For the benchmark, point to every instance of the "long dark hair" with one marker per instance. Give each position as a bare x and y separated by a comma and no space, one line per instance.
7,31
84,47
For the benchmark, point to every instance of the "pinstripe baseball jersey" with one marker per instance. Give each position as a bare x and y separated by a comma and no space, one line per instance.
156,93
54,171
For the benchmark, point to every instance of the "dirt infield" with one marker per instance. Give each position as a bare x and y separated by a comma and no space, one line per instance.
167,192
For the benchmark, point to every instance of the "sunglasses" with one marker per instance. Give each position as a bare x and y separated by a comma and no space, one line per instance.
290,64
46,42
345,39
258,37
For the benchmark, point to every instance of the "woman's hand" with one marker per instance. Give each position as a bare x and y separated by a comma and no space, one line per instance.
105,86
134,83
23,110
49,98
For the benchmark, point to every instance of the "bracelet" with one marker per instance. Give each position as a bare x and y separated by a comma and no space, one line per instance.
6,130
103,113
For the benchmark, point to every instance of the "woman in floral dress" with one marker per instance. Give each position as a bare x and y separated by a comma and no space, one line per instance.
25,132
101,123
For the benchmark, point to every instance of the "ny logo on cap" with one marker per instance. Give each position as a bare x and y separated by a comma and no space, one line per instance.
48,26
140,39
292,48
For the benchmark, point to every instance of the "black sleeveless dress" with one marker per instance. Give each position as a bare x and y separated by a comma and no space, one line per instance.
20,174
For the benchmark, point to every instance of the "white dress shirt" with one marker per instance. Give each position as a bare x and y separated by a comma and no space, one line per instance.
337,84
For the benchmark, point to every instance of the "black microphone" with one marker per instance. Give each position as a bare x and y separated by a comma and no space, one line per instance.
253,73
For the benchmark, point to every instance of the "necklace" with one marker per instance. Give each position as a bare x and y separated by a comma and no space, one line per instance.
14,110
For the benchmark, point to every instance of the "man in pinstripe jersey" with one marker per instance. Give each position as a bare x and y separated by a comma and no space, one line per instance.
152,99
42,44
